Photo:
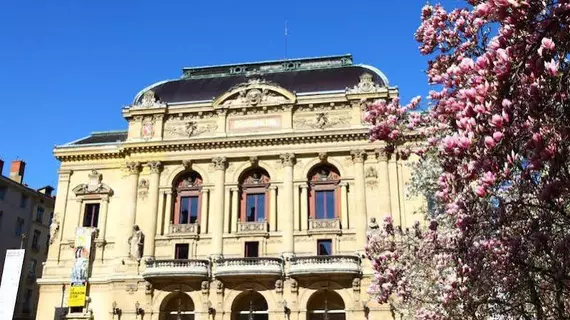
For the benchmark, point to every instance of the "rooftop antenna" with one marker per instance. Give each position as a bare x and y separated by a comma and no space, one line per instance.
286,35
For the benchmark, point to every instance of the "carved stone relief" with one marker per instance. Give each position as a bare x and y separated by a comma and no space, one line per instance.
94,186
143,188
54,228
253,93
371,177
321,120
147,127
149,100
175,127
365,85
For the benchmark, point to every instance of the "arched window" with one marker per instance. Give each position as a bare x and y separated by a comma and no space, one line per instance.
254,184
324,193
325,305
177,306
188,189
249,305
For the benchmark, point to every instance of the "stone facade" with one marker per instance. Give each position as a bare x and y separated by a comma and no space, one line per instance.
234,198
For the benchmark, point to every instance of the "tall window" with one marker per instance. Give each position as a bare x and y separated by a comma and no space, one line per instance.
324,247
3,191
254,185
40,214
32,269
19,227
188,198
325,193
36,240
27,305
91,215
23,201
181,251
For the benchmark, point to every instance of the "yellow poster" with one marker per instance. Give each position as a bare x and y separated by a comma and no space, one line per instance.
77,296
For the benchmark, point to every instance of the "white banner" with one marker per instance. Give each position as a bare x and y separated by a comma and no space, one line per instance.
10,282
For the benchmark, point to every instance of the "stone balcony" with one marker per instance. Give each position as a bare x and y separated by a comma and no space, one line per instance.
253,228
176,269
190,229
324,225
259,266
315,265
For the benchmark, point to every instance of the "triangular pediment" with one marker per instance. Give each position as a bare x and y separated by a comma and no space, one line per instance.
254,93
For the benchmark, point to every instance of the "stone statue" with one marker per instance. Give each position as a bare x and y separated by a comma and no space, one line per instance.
53,228
373,225
136,242
356,284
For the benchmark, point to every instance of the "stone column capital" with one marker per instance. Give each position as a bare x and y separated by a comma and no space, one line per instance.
234,189
133,167
358,156
343,184
304,186
155,166
288,159
220,163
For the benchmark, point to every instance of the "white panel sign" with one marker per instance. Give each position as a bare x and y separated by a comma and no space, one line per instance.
10,282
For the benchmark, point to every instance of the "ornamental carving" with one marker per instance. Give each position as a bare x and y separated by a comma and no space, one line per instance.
147,127
220,163
365,85
94,186
149,100
174,128
255,92
356,284
371,173
143,188
133,167
53,228
358,156
287,159
321,120
279,285
154,166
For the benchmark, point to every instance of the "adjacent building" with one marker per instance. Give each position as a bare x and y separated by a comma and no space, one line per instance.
25,216
238,191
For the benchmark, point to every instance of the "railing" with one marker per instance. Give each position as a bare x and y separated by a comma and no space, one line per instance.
324,225
177,267
189,228
249,266
324,264
249,227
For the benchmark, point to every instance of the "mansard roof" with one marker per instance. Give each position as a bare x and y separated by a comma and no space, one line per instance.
322,74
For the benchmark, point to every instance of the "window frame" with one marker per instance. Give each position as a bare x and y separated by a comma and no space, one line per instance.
321,241
32,268
250,185
40,216
178,247
23,201
330,183
193,188
20,223
36,240
246,249
257,203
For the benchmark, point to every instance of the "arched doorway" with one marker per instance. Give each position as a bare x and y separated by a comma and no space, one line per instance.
177,306
325,305
249,305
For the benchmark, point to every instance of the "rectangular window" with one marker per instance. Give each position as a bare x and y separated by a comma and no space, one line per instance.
23,201
325,206
36,240
251,249
255,207
188,210
3,191
40,214
32,270
91,215
27,306
181,251
324,247
19,227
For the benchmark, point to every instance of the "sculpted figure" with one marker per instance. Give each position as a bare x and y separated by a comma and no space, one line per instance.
136,242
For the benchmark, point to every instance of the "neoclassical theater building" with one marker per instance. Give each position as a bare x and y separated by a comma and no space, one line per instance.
239,191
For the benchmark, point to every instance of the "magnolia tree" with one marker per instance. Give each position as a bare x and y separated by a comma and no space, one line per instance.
497,134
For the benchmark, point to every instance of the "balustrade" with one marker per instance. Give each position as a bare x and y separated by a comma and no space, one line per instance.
337,264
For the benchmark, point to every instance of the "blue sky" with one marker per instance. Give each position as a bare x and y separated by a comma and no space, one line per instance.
68,67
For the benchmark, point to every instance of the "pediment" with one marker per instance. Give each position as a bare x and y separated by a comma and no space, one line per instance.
254,93
93,187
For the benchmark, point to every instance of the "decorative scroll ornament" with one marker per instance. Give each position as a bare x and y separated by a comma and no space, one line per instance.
321,120
149,100
187,129
220,163
94,186
288,159
255,92
366,85
358,156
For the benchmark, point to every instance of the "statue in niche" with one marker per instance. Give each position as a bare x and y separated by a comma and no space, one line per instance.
53,228
373,225
136,244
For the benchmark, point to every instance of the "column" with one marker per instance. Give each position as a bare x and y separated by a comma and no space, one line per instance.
235,210
168,213
394,190
218,205
160,217
204,206
150,230
361,219
272,208
131,185
288,227
384,183
344,206
227,210
103,224
304,206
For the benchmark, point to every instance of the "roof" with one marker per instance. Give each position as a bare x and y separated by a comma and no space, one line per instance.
305,75
101,138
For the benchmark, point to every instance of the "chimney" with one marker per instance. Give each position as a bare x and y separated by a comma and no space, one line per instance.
1,166
47,190
17,170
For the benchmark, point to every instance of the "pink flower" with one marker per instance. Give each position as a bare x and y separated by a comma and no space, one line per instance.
546,44
466,64
497,121
490,142
480,191
551,67
497,136
488,178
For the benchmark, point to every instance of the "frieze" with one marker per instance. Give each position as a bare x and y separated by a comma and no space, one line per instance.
187,128
311,108
321,120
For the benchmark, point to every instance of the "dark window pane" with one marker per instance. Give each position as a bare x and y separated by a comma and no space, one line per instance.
250,207
252,249
329,207
193,209
325,206
260,207
91,217
184,210
181,251
324,247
